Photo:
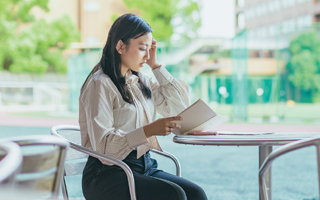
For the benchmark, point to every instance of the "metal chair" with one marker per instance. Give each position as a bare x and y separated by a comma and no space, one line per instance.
42,169
265,194
77,157
10,162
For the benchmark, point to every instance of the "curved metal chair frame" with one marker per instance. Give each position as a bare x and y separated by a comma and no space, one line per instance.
281,151
55,168
11,163
124,166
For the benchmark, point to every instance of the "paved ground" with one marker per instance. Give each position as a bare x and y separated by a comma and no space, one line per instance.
223,172
9,120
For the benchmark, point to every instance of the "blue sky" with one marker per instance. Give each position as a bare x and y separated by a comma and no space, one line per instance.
217,18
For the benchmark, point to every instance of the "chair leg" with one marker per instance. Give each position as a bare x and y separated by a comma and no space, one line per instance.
64,190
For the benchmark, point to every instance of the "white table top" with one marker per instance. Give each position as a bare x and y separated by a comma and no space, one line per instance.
245,138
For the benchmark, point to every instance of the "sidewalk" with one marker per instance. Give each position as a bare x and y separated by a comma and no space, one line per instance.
11,120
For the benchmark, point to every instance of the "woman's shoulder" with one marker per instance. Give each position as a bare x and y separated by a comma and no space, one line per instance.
100,81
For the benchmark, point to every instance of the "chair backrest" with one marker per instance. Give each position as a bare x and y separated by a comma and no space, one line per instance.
43,163
281,151
10,162
77,157
75,160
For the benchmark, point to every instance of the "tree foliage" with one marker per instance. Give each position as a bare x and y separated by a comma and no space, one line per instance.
304,66
30,45
166,17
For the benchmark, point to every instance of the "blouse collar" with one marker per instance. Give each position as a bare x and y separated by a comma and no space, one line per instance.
131,78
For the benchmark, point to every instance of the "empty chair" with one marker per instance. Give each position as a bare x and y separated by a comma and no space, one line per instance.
10,162
281,151
43,163
77,157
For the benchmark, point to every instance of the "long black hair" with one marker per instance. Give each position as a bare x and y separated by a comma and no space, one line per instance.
126,27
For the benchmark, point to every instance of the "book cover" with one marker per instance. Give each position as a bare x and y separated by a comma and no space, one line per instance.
198,117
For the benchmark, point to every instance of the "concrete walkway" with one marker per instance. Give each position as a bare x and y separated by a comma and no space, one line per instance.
10,120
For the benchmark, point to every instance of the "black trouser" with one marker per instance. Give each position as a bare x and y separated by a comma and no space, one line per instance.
103,182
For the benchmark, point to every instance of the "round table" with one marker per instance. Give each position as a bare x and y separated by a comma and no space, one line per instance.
265,141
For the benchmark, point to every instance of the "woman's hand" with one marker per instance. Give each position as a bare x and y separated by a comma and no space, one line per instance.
163,126
152,62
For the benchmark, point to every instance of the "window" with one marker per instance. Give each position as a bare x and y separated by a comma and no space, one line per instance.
92,40
272,30
257,10
241,21
277,5
91,6
291,3
284,3
291,25
251,33
241,3
271,6
318,18
302,1
304,21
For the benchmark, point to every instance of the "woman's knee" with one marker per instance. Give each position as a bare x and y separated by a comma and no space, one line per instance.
195,192
177,192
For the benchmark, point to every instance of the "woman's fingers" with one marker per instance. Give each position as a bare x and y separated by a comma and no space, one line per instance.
174,125
174,118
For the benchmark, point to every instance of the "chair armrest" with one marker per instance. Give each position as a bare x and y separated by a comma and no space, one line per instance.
281,151
114,161
11,163
172,157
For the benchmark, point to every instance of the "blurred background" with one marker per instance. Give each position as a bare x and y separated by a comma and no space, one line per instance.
256,62
253,60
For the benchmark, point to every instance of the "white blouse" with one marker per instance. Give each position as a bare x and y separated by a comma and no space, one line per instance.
114,127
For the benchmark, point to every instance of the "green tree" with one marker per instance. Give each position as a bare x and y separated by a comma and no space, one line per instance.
167,16
303,67
38,46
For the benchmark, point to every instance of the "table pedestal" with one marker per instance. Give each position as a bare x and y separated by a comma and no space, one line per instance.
264,151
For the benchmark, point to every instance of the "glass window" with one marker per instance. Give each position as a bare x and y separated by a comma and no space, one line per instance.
291,3
263,31
284,4
252,13
247,13
241,3
304,21
251,33
257,11
272,30
241,21
92,40
299,22
277,5
265,7
270,7
308,20
91,6
284,28
291,25
262,9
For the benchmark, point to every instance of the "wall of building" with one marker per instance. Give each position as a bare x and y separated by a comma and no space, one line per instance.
268,18
91,17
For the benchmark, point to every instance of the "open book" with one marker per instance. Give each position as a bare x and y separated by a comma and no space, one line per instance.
198,117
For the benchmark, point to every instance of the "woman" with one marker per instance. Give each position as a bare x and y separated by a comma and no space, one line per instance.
117,115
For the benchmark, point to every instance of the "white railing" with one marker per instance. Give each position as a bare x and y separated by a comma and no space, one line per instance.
42,96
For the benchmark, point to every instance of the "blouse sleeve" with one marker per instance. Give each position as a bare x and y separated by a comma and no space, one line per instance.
97,112
171,95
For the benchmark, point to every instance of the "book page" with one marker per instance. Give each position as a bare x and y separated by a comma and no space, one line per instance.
199,114
214,121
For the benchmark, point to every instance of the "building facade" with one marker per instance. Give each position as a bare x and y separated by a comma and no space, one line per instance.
93,18
269,18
